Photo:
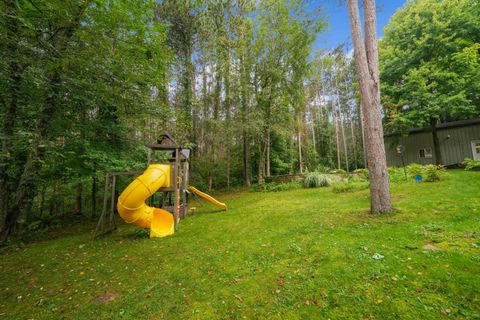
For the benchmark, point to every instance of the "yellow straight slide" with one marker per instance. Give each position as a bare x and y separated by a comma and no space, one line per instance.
133,209
208,197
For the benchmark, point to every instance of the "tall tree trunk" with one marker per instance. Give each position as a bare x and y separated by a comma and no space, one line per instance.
366,61
312,119
202,143
186,112
362,128
94,195
267,153
337,135
344,143
10,114
354,142
79,198
42,200
342,129
261,154
300,158
228,106
246,167
436,142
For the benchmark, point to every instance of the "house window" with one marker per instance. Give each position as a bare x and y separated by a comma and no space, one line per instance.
425,153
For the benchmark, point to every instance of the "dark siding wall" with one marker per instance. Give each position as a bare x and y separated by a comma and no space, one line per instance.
454,149
458,147
412,144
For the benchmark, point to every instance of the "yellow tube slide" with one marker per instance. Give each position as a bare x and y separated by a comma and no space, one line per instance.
208,197
133,209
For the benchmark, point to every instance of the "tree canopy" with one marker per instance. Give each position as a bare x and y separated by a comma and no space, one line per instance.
430,63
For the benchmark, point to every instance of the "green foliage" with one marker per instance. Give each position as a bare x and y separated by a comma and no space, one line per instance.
414,170
349,186
470,164
276,187
433,173
81,79
430,173
338,171
323,169
316,180
430,63
363,172
396,174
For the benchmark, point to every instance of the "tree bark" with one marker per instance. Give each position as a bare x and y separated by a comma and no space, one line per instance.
246,167
354,142
228,106
313,134
436,142
362,128
78,198
299,135
366,61
337,135
342,130
94,195
344,142
260,165
267,154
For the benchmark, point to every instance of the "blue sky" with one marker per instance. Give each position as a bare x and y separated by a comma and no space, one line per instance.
338,29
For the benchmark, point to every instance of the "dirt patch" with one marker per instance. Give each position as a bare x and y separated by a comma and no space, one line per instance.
398,197
109,296
431,247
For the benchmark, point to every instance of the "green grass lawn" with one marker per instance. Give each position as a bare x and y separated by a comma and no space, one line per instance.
302,254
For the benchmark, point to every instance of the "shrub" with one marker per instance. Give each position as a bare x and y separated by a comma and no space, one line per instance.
322,169
316,180
396,174
363,172
338,171
470,164
433,173
414,170
343,187
430,172
275,187
356,178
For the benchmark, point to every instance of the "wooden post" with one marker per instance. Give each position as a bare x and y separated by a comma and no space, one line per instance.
176,202
101,221
112,203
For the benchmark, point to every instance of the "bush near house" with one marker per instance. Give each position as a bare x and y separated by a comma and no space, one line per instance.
430,172
471,164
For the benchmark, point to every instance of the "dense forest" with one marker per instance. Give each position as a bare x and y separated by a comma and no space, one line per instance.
86,84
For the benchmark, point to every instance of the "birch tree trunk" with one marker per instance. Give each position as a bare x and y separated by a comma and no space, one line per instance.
300,158
337,135
366,61
354,142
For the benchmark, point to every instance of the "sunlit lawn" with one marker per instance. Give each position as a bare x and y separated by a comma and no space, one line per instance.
302,254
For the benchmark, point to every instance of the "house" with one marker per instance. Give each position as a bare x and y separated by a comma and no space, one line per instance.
458,140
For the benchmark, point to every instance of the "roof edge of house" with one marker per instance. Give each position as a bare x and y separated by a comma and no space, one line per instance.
440,126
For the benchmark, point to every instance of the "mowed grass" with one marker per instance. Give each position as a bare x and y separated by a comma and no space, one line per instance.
302,254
